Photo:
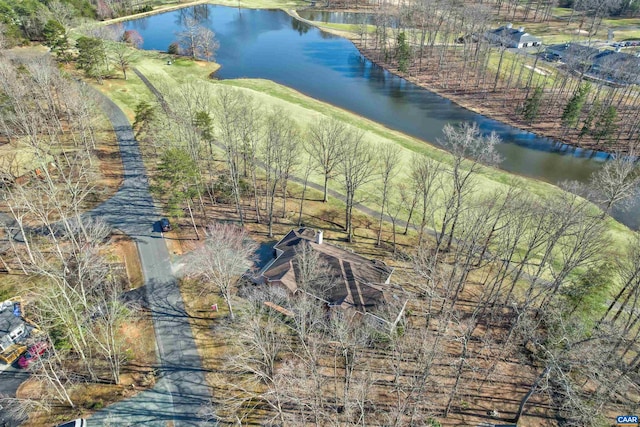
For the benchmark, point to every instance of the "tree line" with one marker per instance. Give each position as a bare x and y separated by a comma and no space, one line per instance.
496,275
443,45
76,298
24,21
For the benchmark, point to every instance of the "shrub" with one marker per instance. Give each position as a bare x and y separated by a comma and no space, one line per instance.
174,49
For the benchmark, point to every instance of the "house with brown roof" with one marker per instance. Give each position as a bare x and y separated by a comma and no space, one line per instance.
357,282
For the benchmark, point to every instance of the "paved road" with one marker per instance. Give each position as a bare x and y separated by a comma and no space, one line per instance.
12,377
181,390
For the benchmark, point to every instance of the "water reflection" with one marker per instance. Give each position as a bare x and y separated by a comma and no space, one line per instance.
299,26
199,14
270,45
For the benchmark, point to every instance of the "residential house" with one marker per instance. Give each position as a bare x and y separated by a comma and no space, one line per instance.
513,38
12,328
358,283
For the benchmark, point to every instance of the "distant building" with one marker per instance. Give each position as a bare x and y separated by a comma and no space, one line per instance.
616,67
358,283
571,52
513,38
613,66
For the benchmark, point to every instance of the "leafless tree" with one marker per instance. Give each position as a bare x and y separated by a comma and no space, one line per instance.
228,112
313,273
326,138
470,150
63,12
20,409
424,175
227,254
259,343
197,41
122,55
278,155
616,182
388,164
305,182
111,314
356,167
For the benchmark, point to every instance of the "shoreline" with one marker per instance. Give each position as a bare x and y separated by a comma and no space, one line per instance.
459,99
463,101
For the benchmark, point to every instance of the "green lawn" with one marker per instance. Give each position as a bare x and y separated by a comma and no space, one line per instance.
306,110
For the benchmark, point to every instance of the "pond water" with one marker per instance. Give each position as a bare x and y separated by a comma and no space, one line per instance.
272,45
339,17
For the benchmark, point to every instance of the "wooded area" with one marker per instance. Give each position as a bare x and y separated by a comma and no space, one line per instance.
75,298
520,305
509,292
443,46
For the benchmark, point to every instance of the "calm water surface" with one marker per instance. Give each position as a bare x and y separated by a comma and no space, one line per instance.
271,45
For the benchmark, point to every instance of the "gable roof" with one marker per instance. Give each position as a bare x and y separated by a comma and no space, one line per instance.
8,322
359,282
515,35
575,50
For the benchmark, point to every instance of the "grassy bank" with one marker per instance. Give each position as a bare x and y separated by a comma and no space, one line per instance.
306,110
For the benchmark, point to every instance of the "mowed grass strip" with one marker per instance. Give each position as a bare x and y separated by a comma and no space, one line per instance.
305,110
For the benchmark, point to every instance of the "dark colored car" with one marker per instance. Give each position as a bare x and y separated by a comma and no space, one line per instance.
34,352
165,225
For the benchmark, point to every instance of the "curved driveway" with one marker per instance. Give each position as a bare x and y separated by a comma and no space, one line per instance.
181,390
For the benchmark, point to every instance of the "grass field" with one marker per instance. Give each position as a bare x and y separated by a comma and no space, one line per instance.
306,110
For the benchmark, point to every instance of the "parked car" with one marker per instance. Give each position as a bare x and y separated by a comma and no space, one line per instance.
34,352
165,225
80,422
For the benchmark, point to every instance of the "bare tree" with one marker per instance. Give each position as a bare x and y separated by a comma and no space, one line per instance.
227,253
424,175
122,55
326,138
305,183
356,166
616,182
388,164
278,153
111,314
313,273
470,150
197,41
228,112
259,344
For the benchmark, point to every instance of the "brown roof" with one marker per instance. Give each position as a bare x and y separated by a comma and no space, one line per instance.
360,282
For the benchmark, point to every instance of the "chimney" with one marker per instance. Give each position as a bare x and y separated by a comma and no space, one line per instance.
521,29
319,237
509,25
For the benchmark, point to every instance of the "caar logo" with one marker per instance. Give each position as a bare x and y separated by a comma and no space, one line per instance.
627,419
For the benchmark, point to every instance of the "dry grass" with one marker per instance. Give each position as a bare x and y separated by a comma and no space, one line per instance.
509,379
126,251
137,376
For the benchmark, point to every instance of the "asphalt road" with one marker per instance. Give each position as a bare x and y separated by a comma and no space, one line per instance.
10,379
181,390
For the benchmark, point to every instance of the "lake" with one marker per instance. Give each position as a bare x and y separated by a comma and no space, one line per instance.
270,44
